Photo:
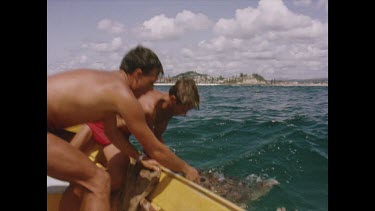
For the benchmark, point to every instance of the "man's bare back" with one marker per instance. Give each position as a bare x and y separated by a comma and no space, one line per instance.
75,97
79,96
159,107
151,103
84,95
72,94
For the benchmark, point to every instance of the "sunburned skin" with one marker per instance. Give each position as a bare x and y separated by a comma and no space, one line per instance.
86,95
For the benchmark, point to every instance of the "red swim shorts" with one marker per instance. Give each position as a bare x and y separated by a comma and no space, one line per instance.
98,133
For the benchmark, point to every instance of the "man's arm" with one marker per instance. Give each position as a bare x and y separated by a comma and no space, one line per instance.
114,134
131,111
82,137
117,139
159,129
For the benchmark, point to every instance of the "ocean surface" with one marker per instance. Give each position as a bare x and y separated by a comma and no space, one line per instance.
261,132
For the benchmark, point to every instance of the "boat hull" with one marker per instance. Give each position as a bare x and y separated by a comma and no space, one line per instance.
173,192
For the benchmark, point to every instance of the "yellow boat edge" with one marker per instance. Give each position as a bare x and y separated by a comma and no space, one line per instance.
174,192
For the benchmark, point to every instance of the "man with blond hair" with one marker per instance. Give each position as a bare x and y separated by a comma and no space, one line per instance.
159,108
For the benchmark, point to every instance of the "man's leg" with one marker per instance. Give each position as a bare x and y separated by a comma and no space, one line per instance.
71,199
117,164
64,162
83,139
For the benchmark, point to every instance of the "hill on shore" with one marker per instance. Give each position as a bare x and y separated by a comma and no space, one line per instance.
190,74
241,79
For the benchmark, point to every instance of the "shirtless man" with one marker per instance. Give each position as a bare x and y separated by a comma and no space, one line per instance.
159,108
80,96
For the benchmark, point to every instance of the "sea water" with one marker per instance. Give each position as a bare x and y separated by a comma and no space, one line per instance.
262,132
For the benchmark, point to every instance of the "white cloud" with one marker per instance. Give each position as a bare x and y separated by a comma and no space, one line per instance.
98,65
270,15
221,43
187,52
115,45
161,27
72,63
302,2
100,46
110,26
115,56
324,4
83,59
104,56
269,40
191,21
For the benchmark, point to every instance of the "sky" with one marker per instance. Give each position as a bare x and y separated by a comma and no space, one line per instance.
277,39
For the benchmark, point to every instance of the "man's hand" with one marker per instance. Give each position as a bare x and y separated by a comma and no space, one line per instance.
151,164
191,173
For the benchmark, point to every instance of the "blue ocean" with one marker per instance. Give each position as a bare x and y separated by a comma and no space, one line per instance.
263,132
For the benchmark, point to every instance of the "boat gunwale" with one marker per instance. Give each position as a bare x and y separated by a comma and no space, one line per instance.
202,190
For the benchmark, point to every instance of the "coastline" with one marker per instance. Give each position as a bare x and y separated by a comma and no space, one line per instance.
207,84
241,80
198,84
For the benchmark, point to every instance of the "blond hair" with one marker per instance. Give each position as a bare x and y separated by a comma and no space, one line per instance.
186,92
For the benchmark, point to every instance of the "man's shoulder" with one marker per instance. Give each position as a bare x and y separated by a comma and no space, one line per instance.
153,97
161,96
154,93
114,86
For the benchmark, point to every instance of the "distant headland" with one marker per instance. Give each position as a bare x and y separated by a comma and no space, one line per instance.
241,79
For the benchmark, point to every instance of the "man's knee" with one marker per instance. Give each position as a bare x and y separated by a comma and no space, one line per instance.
100,182
104,179
76,190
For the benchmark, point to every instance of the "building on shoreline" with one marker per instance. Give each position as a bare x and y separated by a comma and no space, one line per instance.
242,79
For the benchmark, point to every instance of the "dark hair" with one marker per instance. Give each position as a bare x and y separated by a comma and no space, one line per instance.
141,57
186,92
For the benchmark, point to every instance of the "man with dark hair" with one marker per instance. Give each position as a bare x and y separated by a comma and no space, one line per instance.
79,96
159,108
